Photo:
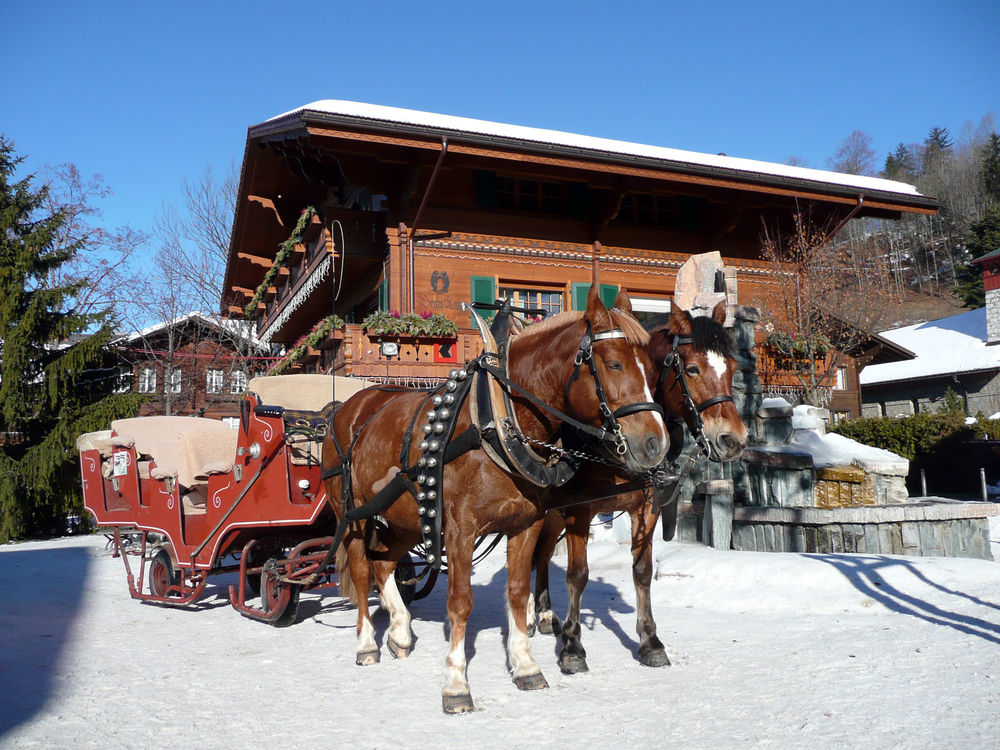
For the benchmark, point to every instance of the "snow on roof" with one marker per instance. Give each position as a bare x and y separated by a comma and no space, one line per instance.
236,327
949,345
572,140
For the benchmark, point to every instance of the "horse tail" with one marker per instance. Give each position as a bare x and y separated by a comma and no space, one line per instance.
345,583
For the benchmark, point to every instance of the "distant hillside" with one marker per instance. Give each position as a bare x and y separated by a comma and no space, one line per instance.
916,307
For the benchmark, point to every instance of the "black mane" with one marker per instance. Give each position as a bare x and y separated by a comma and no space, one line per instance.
706,334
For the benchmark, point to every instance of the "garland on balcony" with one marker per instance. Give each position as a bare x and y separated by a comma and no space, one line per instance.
310,340
392,323
280,259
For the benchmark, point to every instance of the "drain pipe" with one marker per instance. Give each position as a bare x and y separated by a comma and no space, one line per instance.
851,215
420,211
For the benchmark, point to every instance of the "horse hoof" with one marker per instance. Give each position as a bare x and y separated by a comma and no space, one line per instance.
655,657
367,658
399,652
457,704
572,664
545,623
531,682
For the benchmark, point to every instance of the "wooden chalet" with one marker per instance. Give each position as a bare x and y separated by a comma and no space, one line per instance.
418,213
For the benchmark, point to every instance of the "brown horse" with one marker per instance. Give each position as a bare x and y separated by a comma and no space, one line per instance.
704,355
477,495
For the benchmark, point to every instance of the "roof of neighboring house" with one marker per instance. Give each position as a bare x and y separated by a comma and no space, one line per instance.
947,346
236,328
558,142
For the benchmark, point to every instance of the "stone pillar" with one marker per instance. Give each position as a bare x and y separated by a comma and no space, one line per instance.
717,521
993,316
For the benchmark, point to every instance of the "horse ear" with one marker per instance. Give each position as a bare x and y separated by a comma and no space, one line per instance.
680,321
719,313
597,313
623,302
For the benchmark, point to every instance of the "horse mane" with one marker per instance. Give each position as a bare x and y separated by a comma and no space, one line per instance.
635,334
707,334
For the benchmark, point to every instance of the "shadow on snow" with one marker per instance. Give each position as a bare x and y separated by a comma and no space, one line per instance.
35,624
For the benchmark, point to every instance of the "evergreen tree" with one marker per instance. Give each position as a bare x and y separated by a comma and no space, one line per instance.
936,146
991,167
52,384
984,235
900,164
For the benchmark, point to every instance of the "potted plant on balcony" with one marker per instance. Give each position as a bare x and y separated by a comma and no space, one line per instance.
308,344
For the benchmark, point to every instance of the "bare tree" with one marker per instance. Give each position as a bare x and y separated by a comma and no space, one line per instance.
106,263
825,301
855,155
181,343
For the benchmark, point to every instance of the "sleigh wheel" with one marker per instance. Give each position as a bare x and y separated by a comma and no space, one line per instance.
278,599
162,574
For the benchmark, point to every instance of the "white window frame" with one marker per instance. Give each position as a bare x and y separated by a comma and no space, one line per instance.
237,382
172,380
213,381
146,382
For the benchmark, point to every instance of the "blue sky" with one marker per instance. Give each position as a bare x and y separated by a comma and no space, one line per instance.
150,94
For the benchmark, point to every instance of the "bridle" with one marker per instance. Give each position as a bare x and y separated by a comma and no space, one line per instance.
673,362
610,424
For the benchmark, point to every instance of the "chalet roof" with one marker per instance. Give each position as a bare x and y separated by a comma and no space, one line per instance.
952,345
336,111
235,328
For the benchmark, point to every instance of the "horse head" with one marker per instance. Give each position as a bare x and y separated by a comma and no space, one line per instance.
695,381
593,367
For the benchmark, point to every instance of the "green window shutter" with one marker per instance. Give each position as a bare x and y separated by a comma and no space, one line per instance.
482,289
383,295
608,294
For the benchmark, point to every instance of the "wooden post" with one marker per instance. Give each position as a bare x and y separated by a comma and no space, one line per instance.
717,521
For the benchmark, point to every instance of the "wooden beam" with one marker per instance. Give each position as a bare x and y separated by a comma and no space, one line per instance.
248,293
268,204
236,310
255,259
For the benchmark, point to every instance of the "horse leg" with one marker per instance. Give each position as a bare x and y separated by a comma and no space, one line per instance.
456,697
359,572
399,637
526,672
548,623
573,657
651,650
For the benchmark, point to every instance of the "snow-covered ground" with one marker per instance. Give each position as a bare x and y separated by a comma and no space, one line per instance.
768,650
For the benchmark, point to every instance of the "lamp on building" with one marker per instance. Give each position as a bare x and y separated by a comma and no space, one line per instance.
389,348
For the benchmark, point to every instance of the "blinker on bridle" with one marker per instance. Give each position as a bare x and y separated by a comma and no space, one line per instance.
673,362
610,418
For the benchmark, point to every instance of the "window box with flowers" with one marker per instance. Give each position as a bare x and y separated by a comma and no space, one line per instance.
795,351
392,324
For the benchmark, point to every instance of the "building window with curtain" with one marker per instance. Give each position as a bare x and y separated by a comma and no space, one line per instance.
147,380
550,300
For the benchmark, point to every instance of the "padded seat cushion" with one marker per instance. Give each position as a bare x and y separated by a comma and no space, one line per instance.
180,444
305,392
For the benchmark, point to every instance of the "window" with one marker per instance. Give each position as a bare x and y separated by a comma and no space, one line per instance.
232,422
528,195
173,381
213,381
643,208
839,416
123,380
237,382
841,383
549,300
644,308
147,380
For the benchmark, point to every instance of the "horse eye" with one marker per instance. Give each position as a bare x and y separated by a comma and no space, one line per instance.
692,370
615,365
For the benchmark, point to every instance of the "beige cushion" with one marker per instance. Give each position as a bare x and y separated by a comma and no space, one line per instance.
181,444
99,441
305,392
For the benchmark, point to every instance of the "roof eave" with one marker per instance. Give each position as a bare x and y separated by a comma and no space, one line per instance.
296,120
